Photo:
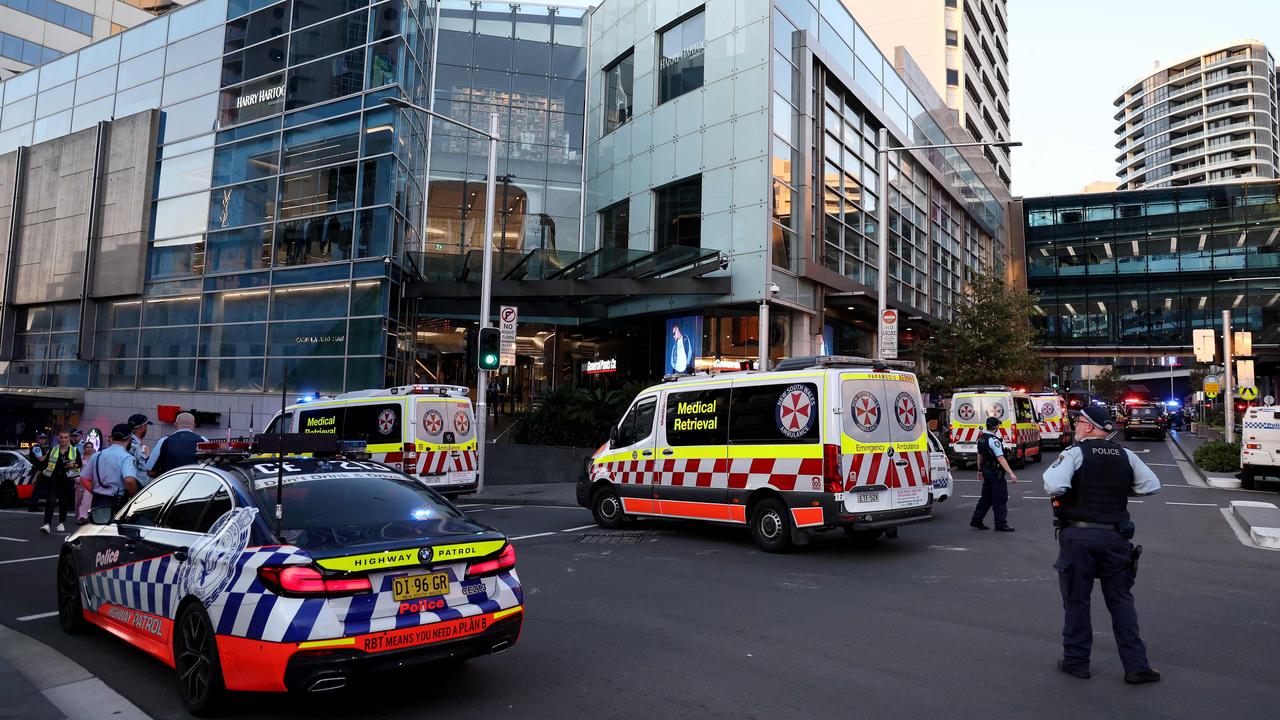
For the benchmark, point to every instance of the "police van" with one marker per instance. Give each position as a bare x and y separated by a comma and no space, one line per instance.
1019,428
427,431
1260,449
1055,426
818,443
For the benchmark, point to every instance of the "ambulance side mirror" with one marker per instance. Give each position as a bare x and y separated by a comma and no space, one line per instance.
613,436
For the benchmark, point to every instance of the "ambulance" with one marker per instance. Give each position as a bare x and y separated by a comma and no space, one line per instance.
1055,426
426,431
819,443
1260,451
1019,428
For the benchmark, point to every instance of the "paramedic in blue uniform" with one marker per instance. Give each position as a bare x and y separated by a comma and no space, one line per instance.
992,467
1090,484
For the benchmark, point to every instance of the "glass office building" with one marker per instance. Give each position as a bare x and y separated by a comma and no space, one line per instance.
1130,274
217,203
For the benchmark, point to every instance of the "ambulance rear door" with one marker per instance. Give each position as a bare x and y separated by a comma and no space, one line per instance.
909,449
865,442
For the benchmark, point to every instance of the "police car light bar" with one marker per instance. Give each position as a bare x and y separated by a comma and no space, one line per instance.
224,450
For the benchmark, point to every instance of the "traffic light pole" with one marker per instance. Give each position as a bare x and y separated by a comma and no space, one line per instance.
486,289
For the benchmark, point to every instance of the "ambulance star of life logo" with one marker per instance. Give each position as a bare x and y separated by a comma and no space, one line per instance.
794,414
386,421
1047,409
965,411
904,411
866,411
997,410
433,422
461,423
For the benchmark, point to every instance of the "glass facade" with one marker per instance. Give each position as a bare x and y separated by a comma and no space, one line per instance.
285,196
527,64
1146,267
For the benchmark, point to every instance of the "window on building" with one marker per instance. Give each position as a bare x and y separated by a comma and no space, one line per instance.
618,86
953,77
615,225
953,38
951,3
680,57
678,214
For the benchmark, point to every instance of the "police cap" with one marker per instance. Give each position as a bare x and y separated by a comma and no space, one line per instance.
992,423
1099,417
121,431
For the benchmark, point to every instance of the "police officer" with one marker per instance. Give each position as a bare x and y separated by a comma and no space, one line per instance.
1090,483
992,466
139,424
112,475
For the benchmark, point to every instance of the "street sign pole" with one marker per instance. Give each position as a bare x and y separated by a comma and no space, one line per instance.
1228,399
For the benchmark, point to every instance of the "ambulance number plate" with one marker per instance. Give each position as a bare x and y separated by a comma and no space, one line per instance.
966,447
868,497
411,587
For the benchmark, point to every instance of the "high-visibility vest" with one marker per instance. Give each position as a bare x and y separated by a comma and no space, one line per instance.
72,456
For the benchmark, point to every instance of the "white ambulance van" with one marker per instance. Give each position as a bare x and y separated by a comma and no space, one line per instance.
1019,428
427,431
1260,449
818,443
1055,426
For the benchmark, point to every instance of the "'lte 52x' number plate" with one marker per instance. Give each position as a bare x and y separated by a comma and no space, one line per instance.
411,587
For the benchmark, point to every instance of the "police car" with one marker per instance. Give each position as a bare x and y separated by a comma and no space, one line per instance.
820,443
295,574
15,477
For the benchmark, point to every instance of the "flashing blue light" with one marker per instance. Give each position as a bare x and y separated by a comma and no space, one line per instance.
1171,403
311,397
423,514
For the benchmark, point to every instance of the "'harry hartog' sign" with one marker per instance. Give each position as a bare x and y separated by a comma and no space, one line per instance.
260,96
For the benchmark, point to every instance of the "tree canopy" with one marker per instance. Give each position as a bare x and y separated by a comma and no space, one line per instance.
990,340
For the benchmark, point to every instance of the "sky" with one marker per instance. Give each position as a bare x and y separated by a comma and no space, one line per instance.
1068,61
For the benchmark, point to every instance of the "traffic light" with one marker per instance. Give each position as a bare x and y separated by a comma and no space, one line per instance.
1053,380
490,348
469,343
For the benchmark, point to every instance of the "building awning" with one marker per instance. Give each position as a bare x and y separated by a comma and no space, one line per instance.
567,283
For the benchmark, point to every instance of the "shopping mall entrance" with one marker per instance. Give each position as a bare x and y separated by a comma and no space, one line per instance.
25,415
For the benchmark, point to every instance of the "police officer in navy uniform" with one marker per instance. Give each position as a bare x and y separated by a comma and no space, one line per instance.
1090,483
992,467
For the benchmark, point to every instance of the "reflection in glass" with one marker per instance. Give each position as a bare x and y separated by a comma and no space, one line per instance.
235,250
314,240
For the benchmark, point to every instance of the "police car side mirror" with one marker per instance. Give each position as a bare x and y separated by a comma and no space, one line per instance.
613,436
101,515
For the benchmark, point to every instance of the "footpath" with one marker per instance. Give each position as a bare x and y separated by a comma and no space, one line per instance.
41,683
554,494
1260,520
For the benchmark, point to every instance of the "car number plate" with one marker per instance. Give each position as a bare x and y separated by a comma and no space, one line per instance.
868,497
437,479
411,587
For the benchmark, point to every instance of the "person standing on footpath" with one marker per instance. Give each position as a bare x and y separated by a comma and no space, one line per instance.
36,456
111,472
176,449
992,467
61,468
1090,484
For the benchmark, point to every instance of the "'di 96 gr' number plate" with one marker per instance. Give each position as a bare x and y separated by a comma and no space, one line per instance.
411,587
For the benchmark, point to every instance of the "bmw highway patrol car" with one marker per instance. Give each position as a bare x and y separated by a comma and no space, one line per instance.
365,569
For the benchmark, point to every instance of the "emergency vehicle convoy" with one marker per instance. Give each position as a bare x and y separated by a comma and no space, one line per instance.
427,431
819,443
1055,425
1019,428
265,574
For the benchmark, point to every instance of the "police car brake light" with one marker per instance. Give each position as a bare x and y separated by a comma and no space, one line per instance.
292,580
505,561
831,480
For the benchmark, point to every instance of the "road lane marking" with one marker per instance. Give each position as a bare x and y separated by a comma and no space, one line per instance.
2,537
40,616
503,507
42,557
553,532
1137,501
1034,497
1162,464
1193,504
32,513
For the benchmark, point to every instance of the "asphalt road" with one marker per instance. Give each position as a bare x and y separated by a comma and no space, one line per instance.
671,619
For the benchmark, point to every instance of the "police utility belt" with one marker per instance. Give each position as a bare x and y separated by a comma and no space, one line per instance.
1092,525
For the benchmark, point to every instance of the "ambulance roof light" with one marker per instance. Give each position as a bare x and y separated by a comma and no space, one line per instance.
985,388
825,361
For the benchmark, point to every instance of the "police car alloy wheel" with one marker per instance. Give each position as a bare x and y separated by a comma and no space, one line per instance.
606,508
771,526
70,609
195,657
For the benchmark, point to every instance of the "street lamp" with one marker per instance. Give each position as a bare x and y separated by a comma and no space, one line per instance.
486,278
882,218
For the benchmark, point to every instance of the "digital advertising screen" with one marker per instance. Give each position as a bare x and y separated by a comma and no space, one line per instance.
684,342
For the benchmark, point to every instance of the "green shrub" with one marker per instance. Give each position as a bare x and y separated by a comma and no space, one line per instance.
573,417
1218,456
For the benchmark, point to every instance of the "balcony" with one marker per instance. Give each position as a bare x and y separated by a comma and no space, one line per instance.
1183,73
1187,121
1184,89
